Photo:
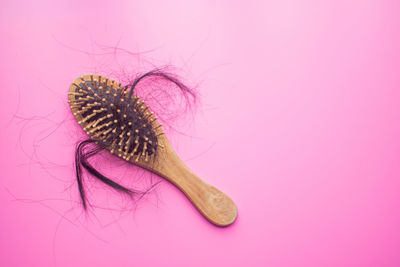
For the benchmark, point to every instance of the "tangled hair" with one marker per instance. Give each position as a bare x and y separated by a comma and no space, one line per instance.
89,148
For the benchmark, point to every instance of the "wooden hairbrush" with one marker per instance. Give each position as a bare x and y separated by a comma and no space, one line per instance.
118,120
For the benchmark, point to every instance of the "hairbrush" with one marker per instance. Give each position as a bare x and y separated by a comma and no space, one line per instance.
118,120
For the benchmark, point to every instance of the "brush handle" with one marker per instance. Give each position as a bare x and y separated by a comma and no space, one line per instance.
217,207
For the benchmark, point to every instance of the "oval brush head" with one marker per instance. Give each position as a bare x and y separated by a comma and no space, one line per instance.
122,123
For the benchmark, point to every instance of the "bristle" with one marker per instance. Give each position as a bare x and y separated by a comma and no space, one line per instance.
136,147
99,120
106,132
128,143
144,148
75,93
113,146
159,126
90,124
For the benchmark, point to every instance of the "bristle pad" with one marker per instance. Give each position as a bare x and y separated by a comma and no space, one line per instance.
124,125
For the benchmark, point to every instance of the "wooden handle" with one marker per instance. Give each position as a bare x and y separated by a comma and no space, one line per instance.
217,207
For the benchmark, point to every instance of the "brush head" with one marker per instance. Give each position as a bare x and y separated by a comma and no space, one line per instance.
122,124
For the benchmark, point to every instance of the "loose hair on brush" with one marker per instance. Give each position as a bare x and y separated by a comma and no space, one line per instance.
115,118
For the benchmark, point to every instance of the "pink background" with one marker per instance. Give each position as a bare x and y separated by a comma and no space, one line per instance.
298,123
